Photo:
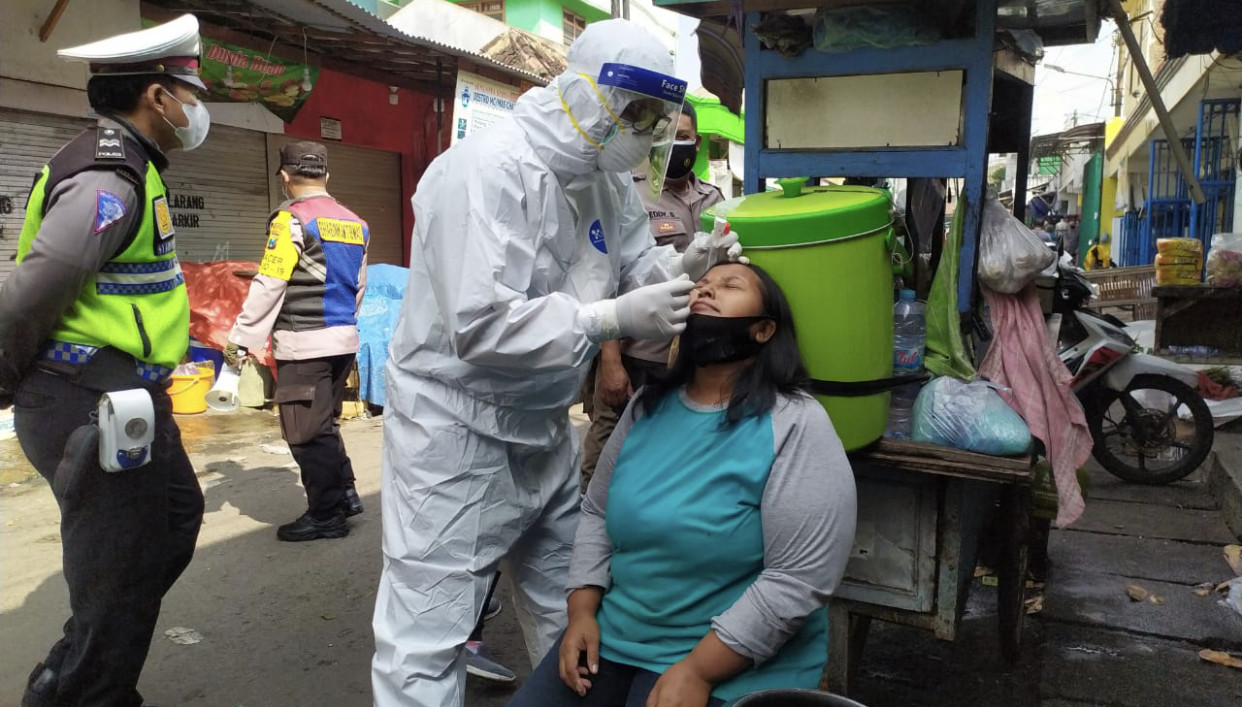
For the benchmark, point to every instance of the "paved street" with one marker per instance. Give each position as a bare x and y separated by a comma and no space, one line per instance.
290,624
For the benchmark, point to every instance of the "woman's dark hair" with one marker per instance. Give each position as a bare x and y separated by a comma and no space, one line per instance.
118,95
778,367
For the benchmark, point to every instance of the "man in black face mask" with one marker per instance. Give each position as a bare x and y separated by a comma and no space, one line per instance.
623,366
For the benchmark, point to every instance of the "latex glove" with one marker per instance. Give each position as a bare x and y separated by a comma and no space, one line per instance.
707,250
653,312
234,354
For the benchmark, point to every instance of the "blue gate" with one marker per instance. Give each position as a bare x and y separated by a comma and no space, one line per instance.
1215,168
1130,253
1167,211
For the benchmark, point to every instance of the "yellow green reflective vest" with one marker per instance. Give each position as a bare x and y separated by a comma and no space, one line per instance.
137,302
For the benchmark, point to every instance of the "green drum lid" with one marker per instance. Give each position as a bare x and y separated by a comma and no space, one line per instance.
800,215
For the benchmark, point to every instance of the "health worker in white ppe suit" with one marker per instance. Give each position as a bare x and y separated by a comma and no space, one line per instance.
525,234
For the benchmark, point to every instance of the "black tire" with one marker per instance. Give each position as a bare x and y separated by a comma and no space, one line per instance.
1159,433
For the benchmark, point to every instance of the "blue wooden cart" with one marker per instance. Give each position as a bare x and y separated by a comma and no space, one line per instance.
931,111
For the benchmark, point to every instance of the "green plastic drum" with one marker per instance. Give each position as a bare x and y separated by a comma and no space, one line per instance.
830,249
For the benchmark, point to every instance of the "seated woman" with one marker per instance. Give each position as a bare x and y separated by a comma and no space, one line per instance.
718,523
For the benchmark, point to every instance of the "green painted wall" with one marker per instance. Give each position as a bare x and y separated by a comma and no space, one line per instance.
524,14
543,17
1089,224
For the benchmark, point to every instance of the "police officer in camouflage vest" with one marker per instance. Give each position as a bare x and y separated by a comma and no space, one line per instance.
306,296
98,305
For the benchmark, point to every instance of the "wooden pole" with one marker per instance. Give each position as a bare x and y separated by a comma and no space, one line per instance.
50,23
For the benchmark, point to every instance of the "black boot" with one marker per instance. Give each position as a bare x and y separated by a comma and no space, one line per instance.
351,504
40,688
307,528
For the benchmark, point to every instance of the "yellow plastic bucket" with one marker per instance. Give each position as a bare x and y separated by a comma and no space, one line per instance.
189,392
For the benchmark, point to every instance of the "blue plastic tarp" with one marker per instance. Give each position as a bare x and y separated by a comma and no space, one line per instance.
377,319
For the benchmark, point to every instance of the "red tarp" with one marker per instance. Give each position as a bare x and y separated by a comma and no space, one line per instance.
217,291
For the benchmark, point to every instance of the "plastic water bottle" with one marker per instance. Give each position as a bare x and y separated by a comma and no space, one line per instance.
909,343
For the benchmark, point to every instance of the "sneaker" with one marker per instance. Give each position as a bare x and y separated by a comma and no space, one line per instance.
351,504
494,607
480,664
307,528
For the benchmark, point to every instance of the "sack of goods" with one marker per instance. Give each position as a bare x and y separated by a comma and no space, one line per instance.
1010,255
970,416
1179,261
1224,263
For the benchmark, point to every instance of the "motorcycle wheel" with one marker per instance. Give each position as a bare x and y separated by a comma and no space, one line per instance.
1152,445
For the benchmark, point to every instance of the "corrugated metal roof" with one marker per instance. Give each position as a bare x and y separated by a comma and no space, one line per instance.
344,32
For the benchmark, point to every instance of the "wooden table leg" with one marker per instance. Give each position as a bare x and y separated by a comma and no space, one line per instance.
847,636
1015,511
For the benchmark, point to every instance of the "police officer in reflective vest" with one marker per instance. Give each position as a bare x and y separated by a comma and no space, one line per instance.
98,305
306,295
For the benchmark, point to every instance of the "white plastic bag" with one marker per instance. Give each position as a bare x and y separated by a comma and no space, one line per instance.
1224,261
1010,256
970,416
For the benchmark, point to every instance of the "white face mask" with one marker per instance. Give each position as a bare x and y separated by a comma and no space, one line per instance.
624,151
192,135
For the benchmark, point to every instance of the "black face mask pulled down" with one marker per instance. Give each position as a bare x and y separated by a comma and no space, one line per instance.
681,160
709,339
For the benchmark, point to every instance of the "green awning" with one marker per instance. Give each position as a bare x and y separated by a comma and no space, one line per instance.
715,119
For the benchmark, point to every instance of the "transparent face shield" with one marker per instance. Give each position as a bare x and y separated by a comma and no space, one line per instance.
655,112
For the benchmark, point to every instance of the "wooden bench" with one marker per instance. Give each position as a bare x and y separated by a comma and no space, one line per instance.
1126,288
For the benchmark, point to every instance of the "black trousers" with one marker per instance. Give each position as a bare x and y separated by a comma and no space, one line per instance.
126,536
310,394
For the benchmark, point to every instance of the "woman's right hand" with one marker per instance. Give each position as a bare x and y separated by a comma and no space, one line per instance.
582,636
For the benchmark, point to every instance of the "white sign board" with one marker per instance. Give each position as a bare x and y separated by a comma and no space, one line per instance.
479,102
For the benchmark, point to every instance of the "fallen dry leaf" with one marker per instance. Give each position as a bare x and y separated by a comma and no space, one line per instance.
1220,658
1136,592
1223,587
1203,591
1155,600
981,571
1233,555
1035,605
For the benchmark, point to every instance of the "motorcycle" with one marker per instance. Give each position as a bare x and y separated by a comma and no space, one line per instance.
1149,425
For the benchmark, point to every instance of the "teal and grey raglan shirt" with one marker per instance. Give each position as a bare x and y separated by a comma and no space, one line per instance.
691,525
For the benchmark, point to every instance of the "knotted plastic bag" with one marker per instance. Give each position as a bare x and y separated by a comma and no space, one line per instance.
969,416
1010,255
1224,261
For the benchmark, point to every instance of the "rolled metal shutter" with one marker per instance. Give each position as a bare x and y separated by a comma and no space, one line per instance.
218,195
27,141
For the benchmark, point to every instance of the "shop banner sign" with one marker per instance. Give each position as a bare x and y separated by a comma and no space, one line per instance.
235,74
479,103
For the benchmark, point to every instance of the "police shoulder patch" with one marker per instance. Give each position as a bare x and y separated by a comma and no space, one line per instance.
109,208
109,144
281,256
